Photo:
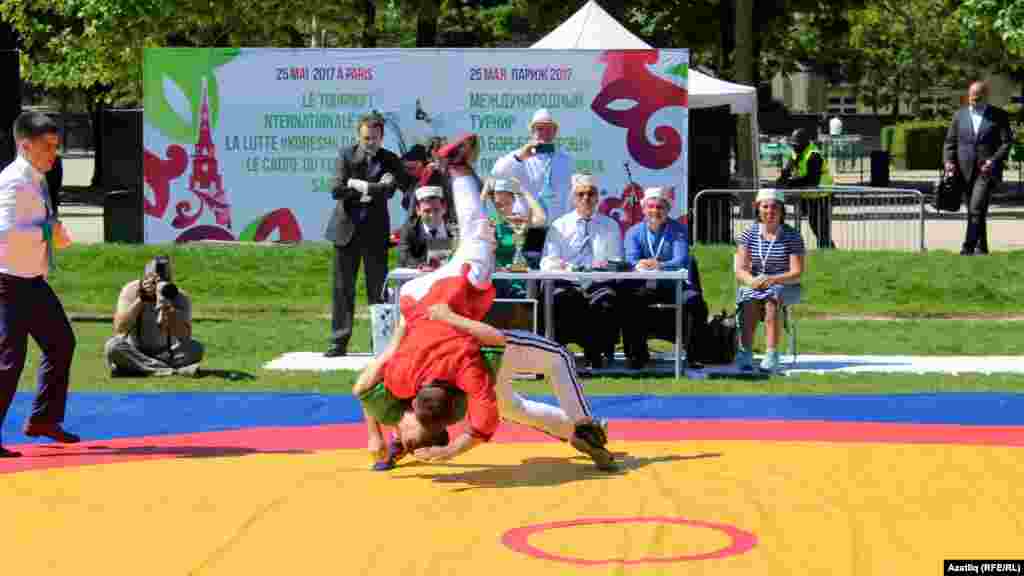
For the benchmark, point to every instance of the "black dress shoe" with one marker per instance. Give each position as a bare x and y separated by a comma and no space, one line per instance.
334,352
5,453
51,431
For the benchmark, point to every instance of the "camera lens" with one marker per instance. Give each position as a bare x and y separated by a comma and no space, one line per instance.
167,290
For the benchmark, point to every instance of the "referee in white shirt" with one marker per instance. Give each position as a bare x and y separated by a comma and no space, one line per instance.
28,306
585,313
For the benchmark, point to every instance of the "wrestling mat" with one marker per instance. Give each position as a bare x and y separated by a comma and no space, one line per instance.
279,484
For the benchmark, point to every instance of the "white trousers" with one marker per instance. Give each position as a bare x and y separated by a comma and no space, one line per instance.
472,249
526,352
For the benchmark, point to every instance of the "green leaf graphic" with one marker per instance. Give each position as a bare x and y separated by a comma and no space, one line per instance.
186,67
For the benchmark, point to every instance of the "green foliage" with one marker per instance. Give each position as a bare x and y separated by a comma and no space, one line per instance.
1003,17
917,145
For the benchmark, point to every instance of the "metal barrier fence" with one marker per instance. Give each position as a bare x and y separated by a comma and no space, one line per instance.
850,218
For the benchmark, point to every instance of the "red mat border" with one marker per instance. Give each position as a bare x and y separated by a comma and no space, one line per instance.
291,440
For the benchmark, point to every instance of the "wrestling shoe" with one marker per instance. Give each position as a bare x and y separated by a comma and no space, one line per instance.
395,453
771,363
585,439
744,360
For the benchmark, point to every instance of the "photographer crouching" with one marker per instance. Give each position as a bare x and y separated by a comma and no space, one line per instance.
153,327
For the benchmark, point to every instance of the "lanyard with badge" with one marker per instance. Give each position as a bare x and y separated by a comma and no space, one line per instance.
661,243
763,254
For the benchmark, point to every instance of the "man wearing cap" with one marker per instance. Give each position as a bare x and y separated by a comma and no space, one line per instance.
367,176
584,239
427,226
657,243
541,168
808,168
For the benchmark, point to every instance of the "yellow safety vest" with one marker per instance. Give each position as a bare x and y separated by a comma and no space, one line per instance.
801,171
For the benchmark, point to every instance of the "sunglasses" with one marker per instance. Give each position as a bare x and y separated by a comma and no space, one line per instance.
587,194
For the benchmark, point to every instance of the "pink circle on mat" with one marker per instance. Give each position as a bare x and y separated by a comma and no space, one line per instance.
518,540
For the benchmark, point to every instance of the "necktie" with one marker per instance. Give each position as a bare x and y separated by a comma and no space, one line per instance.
433,233
47,224
583,243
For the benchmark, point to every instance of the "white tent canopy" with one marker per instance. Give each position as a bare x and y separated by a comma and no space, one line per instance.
593,28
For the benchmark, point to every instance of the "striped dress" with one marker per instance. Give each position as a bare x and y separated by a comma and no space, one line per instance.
769,258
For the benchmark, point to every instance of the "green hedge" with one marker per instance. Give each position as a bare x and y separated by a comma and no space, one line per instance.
917,145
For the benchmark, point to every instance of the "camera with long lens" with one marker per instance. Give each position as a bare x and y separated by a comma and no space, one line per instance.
165,289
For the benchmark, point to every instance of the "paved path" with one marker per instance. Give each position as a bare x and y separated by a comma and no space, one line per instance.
942,232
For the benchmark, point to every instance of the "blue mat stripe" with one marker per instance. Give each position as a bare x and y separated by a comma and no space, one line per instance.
102,416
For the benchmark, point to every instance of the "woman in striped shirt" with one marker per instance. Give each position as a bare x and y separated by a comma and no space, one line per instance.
769,263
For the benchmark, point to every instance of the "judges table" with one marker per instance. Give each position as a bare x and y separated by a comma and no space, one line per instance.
399,276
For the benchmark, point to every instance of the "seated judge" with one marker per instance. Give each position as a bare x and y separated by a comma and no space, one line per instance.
428,226
584,312
657,243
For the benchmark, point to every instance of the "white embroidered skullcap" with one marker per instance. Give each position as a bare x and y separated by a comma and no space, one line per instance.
770,195
424,192
659,194
506,185
584,180
542,116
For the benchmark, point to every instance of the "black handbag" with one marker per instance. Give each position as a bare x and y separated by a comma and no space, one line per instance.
948,193
717,343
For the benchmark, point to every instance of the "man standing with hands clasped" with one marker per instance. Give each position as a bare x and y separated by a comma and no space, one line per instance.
28,306
977,144
367,177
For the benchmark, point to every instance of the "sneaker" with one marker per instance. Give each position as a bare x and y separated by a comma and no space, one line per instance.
188,369
770,363
744,360
588,445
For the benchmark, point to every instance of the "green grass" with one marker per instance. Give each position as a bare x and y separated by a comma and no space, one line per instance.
253,303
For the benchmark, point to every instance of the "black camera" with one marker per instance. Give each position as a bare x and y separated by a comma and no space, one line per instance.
162,267
165,289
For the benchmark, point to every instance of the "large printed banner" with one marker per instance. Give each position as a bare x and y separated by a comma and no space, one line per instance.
241,144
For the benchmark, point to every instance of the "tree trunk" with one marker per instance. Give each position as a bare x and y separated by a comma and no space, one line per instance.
370,24
426,23
744,73
728,39
10,98
96,107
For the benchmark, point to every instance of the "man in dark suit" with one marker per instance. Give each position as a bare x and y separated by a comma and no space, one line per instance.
977,144
367,177
429,224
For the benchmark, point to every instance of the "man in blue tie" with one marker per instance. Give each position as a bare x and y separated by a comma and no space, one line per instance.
28,306
977,144
584,239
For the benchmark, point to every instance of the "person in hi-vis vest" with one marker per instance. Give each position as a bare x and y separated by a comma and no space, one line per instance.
808,168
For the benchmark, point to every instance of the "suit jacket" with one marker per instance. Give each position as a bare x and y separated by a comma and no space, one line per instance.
412,246
970,150
349,213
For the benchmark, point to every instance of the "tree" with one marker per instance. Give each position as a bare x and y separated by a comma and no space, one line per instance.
1004,17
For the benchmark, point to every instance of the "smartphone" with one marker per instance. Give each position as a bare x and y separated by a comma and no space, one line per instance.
544,148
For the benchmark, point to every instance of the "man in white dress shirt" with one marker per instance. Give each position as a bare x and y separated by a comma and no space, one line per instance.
584,239
541,168
428,227
28,306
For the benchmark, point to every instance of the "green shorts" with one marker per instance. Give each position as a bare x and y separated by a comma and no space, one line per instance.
382,405
385,408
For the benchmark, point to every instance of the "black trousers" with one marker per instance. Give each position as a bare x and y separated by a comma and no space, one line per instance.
587,315
977,196
819,216
373,252
29,307
646,322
